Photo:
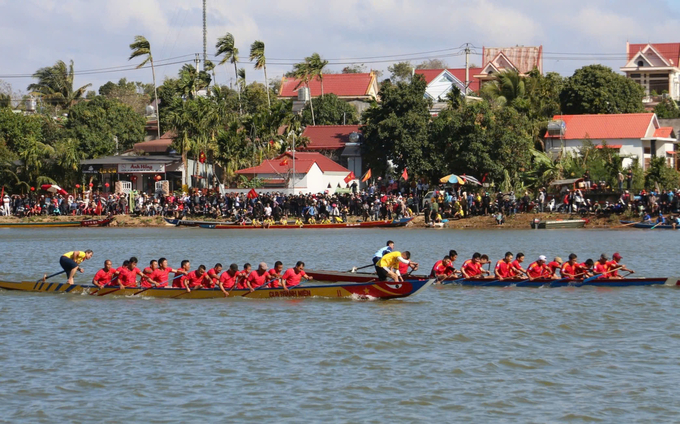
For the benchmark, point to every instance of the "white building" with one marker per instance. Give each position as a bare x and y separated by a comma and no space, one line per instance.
655,67
633,135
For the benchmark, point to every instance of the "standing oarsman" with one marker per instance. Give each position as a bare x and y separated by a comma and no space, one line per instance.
292,276
70,262
104,276
503,267
388,265
228,279
614,266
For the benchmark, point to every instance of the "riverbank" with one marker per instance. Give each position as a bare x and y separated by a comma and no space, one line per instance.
519,221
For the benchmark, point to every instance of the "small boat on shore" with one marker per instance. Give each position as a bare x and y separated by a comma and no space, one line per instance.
335,276
367,291
648,225
558,224
369,224
58,224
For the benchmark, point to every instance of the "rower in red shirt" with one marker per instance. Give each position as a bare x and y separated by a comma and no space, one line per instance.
472,268
275,274
503,268
552,267
292,276
195,279
601,268
228,279
258,278
150,271
104,276
586,268
213,276
128,277
570,268
442,269
180,273
537,269
162,275
516,266
241,280
615,265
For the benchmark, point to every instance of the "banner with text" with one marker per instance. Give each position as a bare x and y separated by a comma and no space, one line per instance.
141,168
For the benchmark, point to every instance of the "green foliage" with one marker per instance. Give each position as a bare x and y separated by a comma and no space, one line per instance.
134,94
354,69
506,88
396,130
667,109
16,130
55,85
597,89
400,72
97,123
659,173
432,64
330,110
255,182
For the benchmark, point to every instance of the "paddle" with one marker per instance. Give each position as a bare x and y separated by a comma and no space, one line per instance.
157,285
104,286
626,225
45,277
258,288
599,275
355,269
656,225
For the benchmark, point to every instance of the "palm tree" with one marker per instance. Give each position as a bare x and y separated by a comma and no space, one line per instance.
257,54
303,72
316,65
506,87
141,47
225,46
55,84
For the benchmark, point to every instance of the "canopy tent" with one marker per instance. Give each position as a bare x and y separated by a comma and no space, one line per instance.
459,179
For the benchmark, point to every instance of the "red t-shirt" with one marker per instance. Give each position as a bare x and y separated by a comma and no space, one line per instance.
292,278
193,280
228,280
214,278
472,269
241,284
504,269
515,267
569,270
128,277
551,269
440,269
161,276
177,280
600,268
612,265
535,270
256,280
273,274
104,278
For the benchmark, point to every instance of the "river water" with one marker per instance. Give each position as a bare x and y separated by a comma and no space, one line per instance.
448,354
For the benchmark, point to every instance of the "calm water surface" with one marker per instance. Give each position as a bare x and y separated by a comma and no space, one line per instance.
448,354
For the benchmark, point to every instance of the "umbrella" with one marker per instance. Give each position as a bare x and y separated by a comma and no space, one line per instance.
472,180
53,188
452,179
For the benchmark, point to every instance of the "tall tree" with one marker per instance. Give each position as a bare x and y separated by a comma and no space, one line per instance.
225,46
330,110
257,54
432,64
303,72
55,85
506,87
142,47
400,72
316,65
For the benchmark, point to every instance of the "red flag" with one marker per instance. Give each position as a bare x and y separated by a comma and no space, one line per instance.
2,194
366,176
284,162
98,209
252,194
404,175
350,177
202,157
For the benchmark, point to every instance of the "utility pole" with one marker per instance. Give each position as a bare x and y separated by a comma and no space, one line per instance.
197,60
467,68
205,36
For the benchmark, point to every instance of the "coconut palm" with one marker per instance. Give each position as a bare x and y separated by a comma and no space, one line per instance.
142,47
507,87
225,46
316,65
303,72
257,54
55,85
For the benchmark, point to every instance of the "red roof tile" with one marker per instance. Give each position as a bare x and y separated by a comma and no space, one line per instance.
303,163
598,127
348,85
328,137
664,132
670,51
153,146
431,74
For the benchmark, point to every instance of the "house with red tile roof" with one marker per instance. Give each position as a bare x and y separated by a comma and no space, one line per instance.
656,67
357,89
300,172
440,81
519,58
633,135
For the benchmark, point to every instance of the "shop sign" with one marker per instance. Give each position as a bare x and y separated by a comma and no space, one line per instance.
141,168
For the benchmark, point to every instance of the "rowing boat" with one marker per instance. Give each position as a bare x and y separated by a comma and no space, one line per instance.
58,224
369,224
648,225
374,290
191,223
336,276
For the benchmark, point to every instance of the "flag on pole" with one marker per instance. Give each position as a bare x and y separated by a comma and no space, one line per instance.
252,194
98,209
350,177
366,176
404,175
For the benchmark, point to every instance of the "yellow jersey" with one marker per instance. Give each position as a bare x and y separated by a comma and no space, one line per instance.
77,259
390,260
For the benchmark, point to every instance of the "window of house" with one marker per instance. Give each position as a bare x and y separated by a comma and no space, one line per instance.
641,63
648,150
635,75
445,78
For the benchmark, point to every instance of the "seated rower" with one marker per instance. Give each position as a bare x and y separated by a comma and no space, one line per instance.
442,269
257,278
213,276
615,265
162,274
180,273
128,275
570,269
229,278
660,219
276,274
299,222
150,271
245,272
472,268
195,279
403,268
291,278
453,255
601,268
388,266
586,268
104,276
646,218
552,267
537,269
503,267
516,265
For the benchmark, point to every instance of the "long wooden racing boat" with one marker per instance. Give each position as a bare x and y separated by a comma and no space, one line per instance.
648,225
336,276
58,224
374,290
192,223
370,224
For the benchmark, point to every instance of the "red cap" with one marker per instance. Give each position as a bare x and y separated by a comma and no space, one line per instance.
616,256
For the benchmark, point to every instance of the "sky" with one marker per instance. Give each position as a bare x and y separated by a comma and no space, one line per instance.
96,34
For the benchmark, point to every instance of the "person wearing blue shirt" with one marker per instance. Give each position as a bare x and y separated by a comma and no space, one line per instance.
382,252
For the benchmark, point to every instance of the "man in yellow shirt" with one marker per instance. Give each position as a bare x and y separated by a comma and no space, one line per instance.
70,262
388,265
